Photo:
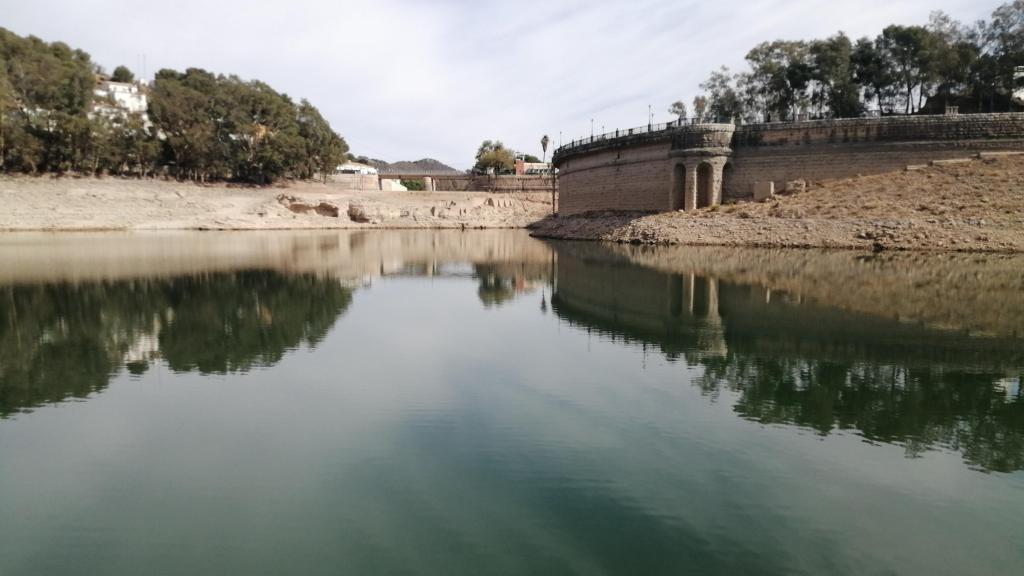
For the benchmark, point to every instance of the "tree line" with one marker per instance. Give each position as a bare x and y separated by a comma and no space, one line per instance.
199,125
493,156
904,70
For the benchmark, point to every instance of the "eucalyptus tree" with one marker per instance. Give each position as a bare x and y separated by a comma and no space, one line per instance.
678,108
723,97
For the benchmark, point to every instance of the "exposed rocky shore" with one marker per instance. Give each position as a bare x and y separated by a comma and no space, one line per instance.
976,206
49,203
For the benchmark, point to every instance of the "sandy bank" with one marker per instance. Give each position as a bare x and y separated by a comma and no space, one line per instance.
976,206
48,203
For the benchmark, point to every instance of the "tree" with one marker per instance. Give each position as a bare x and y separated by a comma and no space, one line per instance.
678,108
122,74
875,73
494,156
531,159
723,98
544,141
700,106
908,48
780,74
834,78
324,148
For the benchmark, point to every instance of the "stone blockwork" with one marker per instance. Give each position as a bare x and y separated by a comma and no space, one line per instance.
628,178
715,161
480,183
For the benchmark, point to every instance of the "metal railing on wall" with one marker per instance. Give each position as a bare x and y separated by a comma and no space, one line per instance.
651,128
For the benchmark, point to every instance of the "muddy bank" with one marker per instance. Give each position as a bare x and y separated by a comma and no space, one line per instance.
973,207
48,203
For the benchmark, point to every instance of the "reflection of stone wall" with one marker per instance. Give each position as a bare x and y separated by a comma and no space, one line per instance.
833,308
677,312
942,291
797,361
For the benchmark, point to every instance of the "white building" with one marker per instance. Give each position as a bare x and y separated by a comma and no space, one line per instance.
356,168
1018,80
118,98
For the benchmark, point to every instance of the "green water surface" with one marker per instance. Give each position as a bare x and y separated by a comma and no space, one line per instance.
487,403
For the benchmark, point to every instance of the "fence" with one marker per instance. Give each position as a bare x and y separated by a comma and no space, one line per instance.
652,128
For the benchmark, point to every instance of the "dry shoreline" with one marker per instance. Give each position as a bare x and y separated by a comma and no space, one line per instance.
94,204
971,207
974,207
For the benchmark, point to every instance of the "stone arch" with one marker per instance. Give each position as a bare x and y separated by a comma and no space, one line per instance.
678,193
728,174
705,185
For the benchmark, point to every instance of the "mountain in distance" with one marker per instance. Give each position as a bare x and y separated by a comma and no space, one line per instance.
426,165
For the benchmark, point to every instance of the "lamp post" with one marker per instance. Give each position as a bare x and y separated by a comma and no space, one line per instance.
650,117
591,128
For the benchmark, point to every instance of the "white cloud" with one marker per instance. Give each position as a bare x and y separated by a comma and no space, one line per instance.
403,79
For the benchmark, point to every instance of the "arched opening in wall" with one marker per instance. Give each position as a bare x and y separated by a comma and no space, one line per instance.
705,185
728,173
678,187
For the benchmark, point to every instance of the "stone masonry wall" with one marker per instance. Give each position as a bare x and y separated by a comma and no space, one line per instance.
638,178
636,173
822,150
495,184
826,162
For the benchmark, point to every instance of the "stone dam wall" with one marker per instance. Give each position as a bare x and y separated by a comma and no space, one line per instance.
690,166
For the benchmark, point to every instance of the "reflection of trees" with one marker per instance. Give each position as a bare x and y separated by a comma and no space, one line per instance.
917,407
495,290
501,283
805,363
247,319
64,340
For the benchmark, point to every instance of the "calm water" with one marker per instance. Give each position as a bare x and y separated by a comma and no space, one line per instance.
486,403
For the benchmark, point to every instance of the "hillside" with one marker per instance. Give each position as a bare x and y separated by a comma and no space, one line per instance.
976,206
426,165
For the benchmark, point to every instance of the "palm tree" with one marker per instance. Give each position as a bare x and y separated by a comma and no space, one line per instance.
544,146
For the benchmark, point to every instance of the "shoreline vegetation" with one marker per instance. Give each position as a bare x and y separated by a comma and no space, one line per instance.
904,70
61,113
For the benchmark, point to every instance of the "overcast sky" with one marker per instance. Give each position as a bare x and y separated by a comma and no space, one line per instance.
405,79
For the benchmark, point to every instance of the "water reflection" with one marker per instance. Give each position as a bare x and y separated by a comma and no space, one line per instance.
62,340
921,351
797,361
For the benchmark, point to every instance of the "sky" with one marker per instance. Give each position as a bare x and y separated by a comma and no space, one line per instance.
405,79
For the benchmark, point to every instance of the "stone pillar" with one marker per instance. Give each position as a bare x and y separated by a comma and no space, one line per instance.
428,184
717,174
690,191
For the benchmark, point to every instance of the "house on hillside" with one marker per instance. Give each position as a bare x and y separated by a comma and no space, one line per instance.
119,98
1018,85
